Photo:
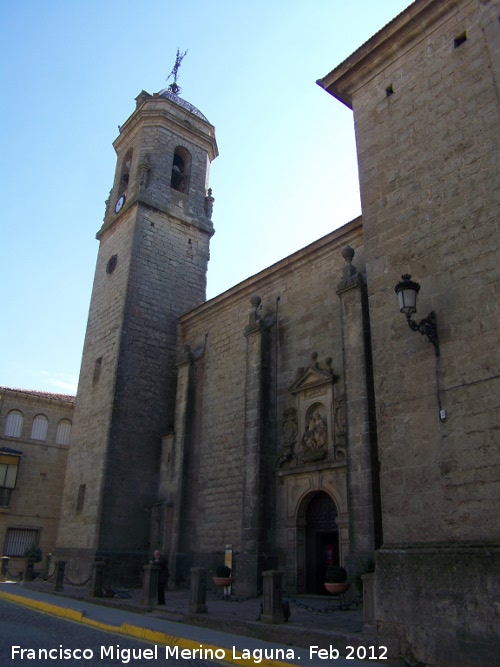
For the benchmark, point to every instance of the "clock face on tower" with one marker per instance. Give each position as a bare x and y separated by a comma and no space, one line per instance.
119,203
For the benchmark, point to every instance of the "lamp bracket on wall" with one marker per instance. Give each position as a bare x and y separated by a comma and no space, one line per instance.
426,327
407,290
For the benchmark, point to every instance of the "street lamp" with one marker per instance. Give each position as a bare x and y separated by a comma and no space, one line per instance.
407,290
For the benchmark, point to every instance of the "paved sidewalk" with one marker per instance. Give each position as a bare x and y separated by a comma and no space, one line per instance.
233,625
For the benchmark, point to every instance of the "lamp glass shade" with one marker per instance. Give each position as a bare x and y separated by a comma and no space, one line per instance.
407,291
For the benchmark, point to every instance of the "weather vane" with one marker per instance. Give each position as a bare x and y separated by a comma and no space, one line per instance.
173,87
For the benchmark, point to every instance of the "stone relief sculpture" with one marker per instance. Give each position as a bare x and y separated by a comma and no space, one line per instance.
339,424
314,440
290,428
145,168
106,204
209,204
309,430
339,419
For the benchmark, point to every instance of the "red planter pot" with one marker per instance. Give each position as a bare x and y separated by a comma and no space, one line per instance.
338,589
222,581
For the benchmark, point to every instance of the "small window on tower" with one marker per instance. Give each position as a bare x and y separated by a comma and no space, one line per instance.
126,166
80,501
97,370
181,169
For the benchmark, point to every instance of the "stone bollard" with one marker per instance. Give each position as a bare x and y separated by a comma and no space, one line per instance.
150,585
59,575
47,566
369,615
197,600
28,570
272,605
96,585
5,565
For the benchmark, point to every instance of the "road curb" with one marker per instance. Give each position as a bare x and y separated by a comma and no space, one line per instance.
154,636
46,607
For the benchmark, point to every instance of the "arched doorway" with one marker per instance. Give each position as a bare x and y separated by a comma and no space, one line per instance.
320,539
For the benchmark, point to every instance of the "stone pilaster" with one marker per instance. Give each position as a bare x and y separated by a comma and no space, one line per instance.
363,478
175,485
255,500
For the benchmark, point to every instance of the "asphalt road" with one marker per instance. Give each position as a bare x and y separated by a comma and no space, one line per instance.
74,645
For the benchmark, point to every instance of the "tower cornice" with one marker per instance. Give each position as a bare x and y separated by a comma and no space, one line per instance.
171,210
160,110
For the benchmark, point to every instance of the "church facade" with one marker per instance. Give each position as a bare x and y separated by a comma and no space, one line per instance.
296,420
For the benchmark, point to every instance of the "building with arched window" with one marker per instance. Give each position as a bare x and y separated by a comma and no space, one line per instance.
34,439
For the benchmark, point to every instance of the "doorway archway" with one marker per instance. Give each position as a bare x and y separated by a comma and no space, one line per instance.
318,538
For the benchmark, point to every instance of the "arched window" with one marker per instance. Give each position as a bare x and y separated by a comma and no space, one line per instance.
63,432
126,166
181,170
39,428
14,424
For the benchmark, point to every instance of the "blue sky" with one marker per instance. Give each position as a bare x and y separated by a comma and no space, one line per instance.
285,176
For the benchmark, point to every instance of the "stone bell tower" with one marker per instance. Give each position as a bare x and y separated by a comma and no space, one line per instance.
151,267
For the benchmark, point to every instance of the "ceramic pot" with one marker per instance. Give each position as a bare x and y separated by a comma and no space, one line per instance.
337,589
222,581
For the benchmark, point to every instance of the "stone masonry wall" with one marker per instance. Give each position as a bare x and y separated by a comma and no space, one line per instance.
87,461
304,320
437,604
168,269
427,126
430,193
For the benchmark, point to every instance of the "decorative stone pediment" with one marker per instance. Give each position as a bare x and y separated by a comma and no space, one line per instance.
312,378
309,427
